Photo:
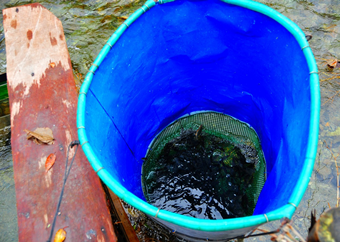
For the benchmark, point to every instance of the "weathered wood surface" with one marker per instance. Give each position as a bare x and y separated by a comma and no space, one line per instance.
123,218
42,94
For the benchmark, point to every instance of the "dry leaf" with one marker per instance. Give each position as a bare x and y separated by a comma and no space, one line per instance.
327,124
41,136
132,212
50,161
335,133
332,63
60,236
52,64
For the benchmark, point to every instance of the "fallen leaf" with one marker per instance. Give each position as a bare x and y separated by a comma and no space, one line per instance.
123,17
132,212
52,64
60,236
40,136
50,161
327,124
332,63
335,133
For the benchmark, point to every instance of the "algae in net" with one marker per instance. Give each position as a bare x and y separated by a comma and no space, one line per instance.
207,165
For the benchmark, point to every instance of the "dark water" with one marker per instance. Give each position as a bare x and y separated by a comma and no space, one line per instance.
202,176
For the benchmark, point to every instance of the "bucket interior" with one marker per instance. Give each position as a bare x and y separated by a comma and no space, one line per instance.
190,56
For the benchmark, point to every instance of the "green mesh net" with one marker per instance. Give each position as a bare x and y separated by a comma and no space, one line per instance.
220,125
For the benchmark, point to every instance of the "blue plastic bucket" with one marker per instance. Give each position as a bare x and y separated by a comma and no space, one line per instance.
170,59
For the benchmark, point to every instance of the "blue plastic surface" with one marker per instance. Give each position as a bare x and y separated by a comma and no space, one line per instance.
188,56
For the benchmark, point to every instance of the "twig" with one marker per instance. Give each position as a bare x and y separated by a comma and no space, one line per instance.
288,239
286,231
330,180
296,233
289,235
329,79
262,230
319,58
336,93
326,74
199,131
337,190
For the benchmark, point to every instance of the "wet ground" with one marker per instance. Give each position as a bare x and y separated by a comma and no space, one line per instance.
88,24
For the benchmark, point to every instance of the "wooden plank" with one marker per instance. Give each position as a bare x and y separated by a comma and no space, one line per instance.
42,94
130,232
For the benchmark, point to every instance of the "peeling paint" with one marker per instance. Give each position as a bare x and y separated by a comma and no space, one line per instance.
48,175
108,223
100,238
14,24
45,219
51,94
48,178
42,161
91,234
67,103
15,109
68,141
29,34
20,67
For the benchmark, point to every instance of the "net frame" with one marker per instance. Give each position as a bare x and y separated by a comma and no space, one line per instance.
220,125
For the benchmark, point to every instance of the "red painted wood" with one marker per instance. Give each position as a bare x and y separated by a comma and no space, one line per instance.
43,95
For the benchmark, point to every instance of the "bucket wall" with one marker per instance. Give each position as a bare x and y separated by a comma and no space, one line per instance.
188,56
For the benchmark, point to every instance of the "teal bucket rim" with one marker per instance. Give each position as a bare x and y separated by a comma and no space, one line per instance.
203,224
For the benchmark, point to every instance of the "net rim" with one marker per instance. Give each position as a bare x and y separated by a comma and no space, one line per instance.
232,134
